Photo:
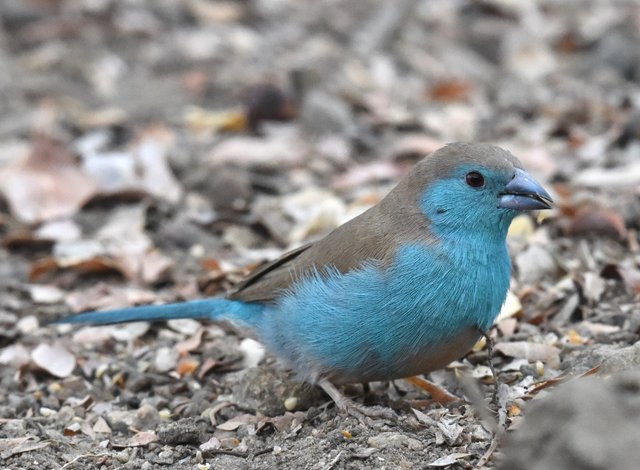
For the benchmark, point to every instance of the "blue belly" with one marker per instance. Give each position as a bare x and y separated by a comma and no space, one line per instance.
385,323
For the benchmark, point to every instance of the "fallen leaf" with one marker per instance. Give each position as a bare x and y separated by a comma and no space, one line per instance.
102,426
511,307
10,447
72,429
529,351
237,421
186,326
605,222
142,438
48,184
15,355
244,150
187,366
593,287
201,120
166,359
143,169
208,365
190,344
599,328
448,460
538,387
522,226
451,90
59,230
211,444
96,265
598,177
45,294
507,326
54,359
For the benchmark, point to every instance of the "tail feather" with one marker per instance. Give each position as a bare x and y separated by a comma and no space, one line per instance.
213,309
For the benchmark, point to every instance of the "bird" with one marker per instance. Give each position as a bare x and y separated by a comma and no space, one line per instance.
401,290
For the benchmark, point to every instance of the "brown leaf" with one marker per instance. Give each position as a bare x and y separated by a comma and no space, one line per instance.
208,365
451,90
533,391
48,184
237,421
605,222
187,366
628,273
102,426
97,265
190,344
142,438
10,447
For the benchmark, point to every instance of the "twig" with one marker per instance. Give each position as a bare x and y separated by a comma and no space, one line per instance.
331,464
487,455
81,456
242,455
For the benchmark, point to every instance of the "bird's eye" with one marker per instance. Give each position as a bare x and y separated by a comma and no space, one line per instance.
475,179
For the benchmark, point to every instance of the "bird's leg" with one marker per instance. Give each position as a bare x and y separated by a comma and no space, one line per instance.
348,406
487,337
439,394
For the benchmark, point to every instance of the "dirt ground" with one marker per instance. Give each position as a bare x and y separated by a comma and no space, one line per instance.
156,151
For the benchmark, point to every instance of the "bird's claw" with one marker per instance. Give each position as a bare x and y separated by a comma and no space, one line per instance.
364,413
361,412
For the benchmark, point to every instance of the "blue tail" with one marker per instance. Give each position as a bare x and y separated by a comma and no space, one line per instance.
212,309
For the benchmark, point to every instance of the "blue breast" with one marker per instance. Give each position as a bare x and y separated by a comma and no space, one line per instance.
371,318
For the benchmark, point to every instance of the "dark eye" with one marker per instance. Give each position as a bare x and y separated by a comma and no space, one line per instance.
475,179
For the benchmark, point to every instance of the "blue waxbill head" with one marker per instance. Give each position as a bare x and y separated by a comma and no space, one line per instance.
475,189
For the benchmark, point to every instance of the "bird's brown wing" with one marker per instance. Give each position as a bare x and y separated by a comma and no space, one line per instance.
254,286
371,237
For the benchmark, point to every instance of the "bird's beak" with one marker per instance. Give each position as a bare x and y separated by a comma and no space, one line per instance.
523,193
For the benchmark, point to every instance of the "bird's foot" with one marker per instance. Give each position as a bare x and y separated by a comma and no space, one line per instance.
439,394
489,340
361,412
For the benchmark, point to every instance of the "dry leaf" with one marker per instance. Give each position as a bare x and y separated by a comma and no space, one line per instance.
166,359
45,294
507,326
142,438
201,120
451,90
605,222
448,460
593,288
244,150
211,444
54,359
144,169
187,366
598,177
10,447
237,421
101,426
190,344
208,365
510,308
522,226
15,355
48,184
529,351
